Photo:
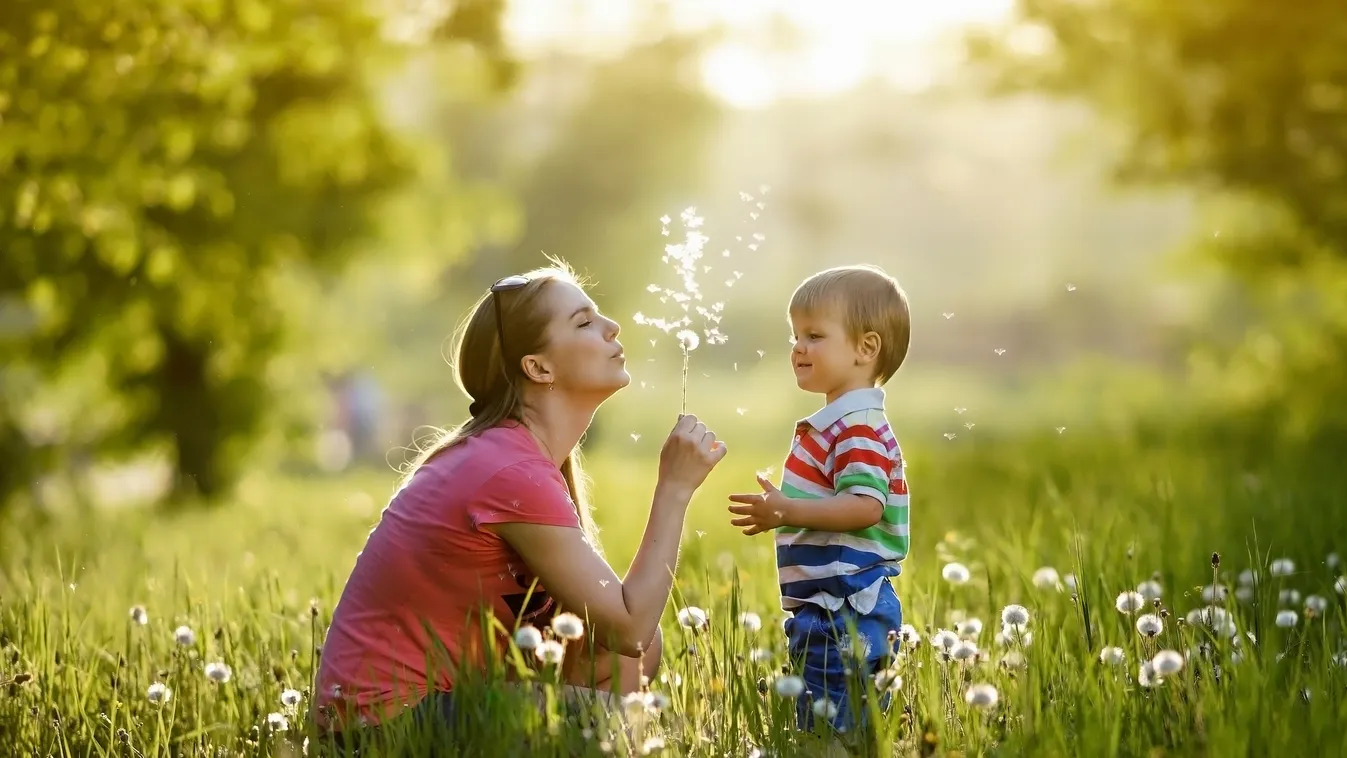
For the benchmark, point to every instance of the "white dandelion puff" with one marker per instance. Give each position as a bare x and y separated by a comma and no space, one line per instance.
1046,578
277,722
550,652
1015,615
1013,659
1246,578
568,626
1148,677
909,635
1113,656
969,627
1070,581
945,640
1167,662
692,617
825,709
1150,590
687,340
751,622
1340,586
1129,602
1332,561
184,635
1215,593
789,686
1150,625
955,573
159,693
888,680
218,672
981,696
1287,619
528,638
1316,604
963,650
1282,567
1289,597
290,698
139,615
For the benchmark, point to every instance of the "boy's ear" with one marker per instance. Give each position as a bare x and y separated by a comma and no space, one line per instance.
868,346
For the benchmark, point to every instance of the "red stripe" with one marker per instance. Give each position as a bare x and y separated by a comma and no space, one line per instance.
898,486
815,450
863,456
807,472
861,431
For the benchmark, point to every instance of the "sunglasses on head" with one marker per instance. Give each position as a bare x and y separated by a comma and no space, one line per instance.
504,285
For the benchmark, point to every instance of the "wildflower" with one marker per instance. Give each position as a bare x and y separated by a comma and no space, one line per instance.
1286,619
955,573
290,698
277,722
1282,567
1150,590
550,652
1149,625
1147,677
1113,656
825,709
139,615
945,640
1215,593
687,339
981,696
1167,662
1316,604
909,635
789,686
1289,597
888,680
963,650
692,617
969,627
218,672
1046,578
1015,615
184,636
568,626
751,622
1130,602
528,638
159,693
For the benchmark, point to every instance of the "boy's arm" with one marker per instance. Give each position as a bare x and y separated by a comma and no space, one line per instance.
861,469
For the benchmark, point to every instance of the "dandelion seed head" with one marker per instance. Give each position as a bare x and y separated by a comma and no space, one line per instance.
1150,590
550,652
184,635
789,686
1215,593
290,698
277,722
1015,615
963,650
1340,586
1288,597
751,622
888,680
945,640
528,638
139,615
1316,604
955,573
1013,659
825,709
1247,578
982,695
1046,578
1332,560
1070,581
969,627
218,672
909,635
1150,625
1129,602
692,617
1287,619
1113,656
1167,662
1147,677
159,693
1282,567
568,626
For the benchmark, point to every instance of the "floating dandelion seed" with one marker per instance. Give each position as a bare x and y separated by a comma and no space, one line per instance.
692,617
139,615
218,672
1287,619
981,696
1130,602
789,686
960,411
1282,567
1167,662
950,435
568,626
528,638
1070,287
1061,429
1149,625
955,573
947,315
1113,656
1000,351
635,437
741,411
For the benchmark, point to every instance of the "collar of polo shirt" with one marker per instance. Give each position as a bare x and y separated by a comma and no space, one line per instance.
864,399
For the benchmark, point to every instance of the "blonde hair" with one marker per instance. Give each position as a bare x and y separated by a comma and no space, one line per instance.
493,381
868,300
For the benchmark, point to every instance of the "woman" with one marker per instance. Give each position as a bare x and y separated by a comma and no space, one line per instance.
492,519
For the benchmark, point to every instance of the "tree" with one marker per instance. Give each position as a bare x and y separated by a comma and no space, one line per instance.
164,162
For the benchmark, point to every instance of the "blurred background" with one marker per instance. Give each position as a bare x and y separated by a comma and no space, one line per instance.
235,235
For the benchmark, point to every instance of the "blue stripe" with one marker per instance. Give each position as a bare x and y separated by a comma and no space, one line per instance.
838,586
821,555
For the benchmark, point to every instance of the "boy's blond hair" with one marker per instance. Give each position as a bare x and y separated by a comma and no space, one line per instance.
868,300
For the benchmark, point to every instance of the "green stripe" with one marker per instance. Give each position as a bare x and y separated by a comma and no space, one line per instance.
861,479
792,491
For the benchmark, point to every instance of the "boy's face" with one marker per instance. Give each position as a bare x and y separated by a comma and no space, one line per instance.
824,357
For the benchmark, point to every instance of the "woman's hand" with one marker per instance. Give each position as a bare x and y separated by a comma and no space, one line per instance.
689,454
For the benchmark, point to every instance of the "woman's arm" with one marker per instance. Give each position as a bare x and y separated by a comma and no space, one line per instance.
621,614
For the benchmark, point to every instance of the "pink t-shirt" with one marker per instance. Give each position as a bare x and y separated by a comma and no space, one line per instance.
431,563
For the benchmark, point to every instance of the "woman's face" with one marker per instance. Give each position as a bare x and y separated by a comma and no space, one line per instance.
582,348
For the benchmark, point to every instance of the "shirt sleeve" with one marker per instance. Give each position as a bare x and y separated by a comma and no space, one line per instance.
862,464
529,492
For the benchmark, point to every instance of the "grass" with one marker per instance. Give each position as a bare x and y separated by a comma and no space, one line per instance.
256,581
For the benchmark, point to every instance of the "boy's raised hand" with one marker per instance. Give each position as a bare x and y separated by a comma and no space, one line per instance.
760,512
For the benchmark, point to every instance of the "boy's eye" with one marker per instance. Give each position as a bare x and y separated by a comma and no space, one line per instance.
585,324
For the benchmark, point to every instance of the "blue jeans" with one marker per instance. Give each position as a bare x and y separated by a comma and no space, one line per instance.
836,661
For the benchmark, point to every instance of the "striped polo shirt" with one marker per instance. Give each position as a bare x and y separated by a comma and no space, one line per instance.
846,447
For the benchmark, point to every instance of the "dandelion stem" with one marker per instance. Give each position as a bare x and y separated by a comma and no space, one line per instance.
683,402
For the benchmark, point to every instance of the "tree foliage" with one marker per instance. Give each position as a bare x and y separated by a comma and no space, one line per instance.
163,162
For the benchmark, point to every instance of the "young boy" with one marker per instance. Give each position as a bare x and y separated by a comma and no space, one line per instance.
841,514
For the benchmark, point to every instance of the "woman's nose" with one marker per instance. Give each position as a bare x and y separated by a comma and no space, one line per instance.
613,329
